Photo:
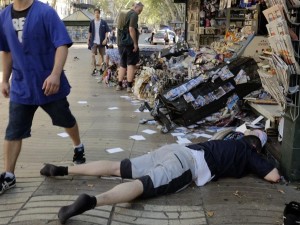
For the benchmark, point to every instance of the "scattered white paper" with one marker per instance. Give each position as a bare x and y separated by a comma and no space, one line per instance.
148,131
183,140
125,96
114,150
113,108
197,135
137,137
241,128
205,135
257,120
63,135
82,102
135,101
177,134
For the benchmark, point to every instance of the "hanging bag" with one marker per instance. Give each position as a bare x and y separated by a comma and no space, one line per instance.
125,38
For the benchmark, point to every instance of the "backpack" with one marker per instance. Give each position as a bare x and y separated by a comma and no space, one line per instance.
291,214
125,38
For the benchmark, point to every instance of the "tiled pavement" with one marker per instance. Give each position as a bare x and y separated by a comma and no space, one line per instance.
36,200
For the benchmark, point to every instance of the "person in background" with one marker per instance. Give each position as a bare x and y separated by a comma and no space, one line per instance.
128,22
169,169
97,39
34,43
166,38
113,37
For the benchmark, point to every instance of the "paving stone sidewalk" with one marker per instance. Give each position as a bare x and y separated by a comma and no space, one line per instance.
36,200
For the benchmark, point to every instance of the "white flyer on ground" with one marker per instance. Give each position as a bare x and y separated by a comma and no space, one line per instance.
148,131
125,96
135,101
183,140
137,137
177,134
82,102
63,135
113,108
114,150
205,135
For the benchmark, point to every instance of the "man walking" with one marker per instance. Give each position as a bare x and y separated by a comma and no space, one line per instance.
34,44
97,39
127,40
169,169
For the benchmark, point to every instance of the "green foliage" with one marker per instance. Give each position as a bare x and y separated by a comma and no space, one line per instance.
155,11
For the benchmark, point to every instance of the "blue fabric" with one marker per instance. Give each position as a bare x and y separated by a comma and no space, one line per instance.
102,31
232,158
33,59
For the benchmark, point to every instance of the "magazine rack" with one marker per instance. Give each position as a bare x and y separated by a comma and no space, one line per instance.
293,20
284,35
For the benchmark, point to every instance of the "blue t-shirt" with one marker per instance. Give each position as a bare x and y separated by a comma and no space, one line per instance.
33,52
233,158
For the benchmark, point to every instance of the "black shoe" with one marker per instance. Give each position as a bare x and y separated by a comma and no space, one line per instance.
78,157
94,73
6,183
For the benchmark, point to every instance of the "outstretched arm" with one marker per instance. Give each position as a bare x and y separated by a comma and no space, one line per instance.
273,176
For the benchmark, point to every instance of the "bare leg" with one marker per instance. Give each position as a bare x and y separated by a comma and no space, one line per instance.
107,60
12,150
130,73
74,134
121,73
97,168
94,60
124,192
101,59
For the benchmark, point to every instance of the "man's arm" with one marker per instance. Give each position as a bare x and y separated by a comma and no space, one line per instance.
7,69
273,176
52,83
132,32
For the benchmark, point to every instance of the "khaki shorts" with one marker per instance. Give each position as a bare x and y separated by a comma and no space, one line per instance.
98,48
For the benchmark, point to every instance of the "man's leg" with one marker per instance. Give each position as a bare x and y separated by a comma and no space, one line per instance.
12,150
18,128
61,116
121,74
130,77
73,132
124,192
130,73
97,168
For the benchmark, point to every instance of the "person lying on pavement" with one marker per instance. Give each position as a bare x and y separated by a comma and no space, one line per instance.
169,169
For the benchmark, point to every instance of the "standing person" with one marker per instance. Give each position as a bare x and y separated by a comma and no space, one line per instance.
34,44
113,37
169,169
129,50
97,39
166,38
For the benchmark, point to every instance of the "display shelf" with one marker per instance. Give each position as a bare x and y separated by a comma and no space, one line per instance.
228,19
